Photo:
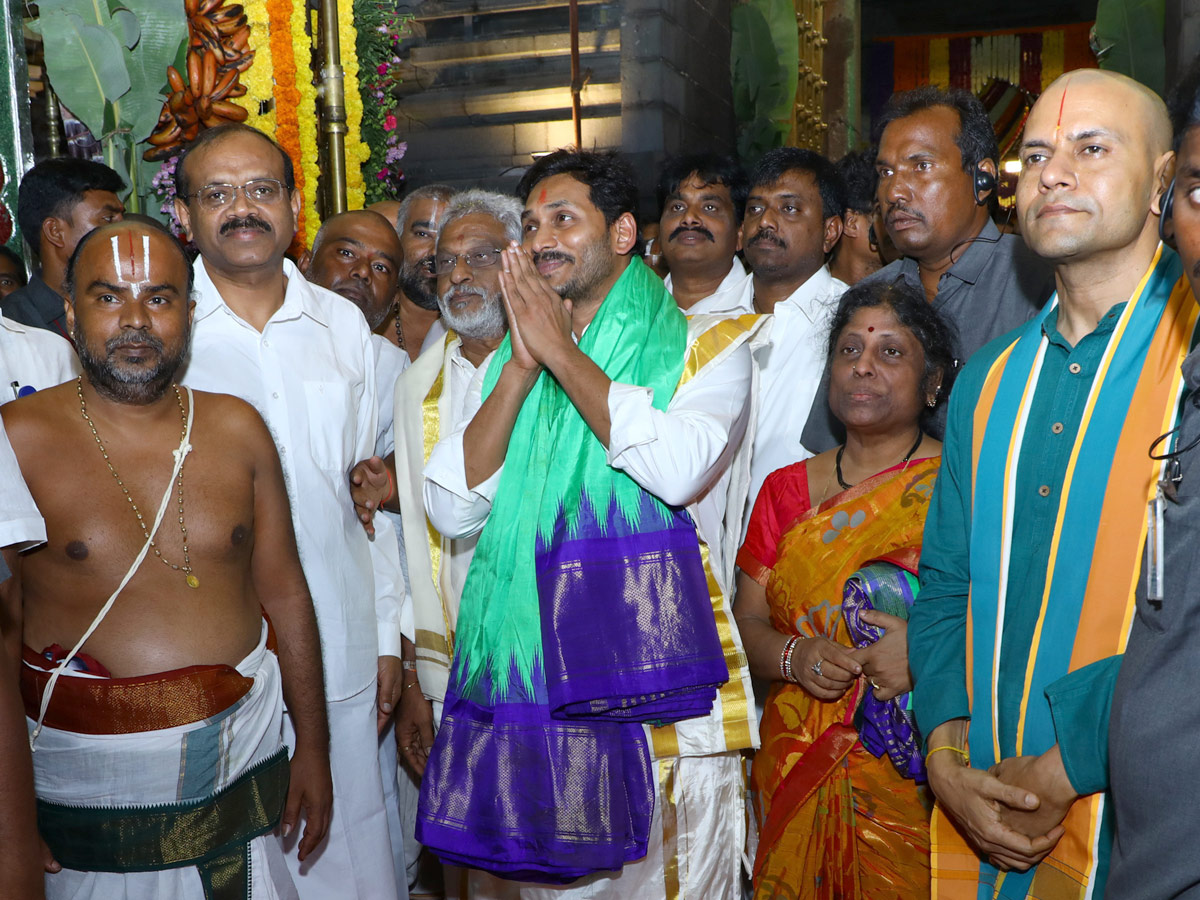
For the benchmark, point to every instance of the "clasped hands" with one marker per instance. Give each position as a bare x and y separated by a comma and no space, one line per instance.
1011,813
539,320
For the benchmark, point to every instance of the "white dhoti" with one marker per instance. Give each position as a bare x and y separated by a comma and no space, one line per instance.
179,768
356,860
696,841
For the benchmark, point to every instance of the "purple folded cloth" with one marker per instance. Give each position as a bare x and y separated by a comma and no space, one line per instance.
886,726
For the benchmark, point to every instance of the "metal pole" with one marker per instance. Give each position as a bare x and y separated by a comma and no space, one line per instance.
53,121
333,95
576,80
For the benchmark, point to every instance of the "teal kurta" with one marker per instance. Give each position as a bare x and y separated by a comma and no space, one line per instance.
936,631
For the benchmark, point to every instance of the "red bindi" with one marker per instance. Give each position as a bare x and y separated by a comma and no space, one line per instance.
870,328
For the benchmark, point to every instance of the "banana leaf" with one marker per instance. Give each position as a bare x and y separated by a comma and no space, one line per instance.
1128,37
84,65
765,59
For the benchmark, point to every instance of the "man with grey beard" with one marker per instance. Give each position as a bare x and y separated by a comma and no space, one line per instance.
415,322
474,227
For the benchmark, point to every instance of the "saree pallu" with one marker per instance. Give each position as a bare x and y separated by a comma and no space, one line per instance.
860,829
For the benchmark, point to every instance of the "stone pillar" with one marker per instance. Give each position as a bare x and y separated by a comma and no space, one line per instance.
843,77
675,83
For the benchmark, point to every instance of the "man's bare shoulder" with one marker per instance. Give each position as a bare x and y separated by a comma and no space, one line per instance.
232,417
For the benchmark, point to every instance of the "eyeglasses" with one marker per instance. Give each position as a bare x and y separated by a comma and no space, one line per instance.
261,192
474,259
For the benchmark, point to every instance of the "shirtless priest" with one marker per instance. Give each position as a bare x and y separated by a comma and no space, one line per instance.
158,755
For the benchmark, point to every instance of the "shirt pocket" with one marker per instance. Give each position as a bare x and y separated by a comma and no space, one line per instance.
332,421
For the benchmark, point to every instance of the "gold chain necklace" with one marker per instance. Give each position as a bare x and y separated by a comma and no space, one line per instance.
186,568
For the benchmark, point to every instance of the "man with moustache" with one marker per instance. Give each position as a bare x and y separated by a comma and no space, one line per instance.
58,202
1037,527
415,322
703,198
599,420
936,165
170,698
1153,713
302,356
793,221
857,254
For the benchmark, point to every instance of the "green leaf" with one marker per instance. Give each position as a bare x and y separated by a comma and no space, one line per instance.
1132,32
93,12
764,62
124,25
85,66
163,33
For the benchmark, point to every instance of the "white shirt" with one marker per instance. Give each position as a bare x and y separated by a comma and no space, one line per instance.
310,374
390,362
21,524
677,455
791,367
730,296
32,358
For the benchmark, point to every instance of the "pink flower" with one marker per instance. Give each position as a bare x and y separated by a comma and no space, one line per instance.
382,174
381,68
389,123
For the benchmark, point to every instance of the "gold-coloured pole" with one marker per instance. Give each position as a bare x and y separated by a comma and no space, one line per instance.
576,79
333,94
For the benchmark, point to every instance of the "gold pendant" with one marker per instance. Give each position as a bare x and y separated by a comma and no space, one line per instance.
193,581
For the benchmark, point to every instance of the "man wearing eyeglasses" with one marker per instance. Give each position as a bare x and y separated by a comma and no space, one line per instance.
301,355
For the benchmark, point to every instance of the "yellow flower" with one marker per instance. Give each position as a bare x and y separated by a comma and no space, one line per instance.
259,78
357,152
302,49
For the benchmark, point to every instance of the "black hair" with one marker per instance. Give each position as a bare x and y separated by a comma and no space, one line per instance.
710,168
859,175
934,332
1183,104
778,162
53,187
69,279
13,257
976,139
612,186
183,187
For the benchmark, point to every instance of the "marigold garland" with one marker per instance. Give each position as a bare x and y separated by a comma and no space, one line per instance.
357,152
288,72
258,79
302,50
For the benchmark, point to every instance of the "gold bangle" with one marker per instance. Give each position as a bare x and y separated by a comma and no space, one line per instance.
410,684
963,753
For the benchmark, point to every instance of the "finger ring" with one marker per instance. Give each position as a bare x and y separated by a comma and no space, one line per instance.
816,667
874,683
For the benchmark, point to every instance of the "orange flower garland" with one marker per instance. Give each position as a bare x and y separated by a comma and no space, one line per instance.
287,96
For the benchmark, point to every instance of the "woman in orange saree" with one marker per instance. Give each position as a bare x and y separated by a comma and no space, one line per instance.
836,822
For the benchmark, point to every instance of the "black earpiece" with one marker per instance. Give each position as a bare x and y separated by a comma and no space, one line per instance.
871,238
1167,207
985,183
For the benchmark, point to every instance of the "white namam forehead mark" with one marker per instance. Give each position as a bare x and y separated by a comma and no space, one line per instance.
130,255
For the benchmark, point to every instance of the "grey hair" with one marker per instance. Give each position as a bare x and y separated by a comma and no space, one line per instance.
504,208
442,192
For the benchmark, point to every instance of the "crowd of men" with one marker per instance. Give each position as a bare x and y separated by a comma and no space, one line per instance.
249,522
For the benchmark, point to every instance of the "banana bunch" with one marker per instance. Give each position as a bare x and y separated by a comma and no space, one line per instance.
218,53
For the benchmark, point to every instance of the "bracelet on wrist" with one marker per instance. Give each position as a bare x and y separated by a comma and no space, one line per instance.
785,660
963,753
410,684
408,665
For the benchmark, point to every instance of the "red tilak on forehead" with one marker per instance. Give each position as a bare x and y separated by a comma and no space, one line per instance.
542,196
132,259
1061,104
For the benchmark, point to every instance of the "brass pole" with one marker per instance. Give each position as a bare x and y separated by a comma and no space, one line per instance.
576,81
333,95
53,121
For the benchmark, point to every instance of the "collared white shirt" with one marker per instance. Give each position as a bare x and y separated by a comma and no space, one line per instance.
32,358
390,363
678,454
21,524
311,375
791,367
730,297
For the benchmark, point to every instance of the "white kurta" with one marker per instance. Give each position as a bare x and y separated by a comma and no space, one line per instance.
791,367
21,524
679,455
390,363
311,374
32,358
730,297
